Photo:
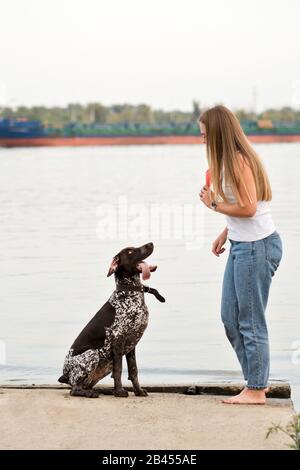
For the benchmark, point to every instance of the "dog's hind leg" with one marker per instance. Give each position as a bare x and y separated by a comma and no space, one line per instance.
133,374
78,391
117,350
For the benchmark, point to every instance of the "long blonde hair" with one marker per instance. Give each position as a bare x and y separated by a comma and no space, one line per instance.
225,139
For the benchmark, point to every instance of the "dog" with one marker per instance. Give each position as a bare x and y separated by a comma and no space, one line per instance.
115,330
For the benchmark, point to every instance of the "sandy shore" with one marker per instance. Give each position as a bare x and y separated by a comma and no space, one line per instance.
51,419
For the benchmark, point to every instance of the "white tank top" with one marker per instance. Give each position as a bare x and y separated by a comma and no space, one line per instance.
249,229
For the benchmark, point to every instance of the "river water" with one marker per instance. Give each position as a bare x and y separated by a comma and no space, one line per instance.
64,213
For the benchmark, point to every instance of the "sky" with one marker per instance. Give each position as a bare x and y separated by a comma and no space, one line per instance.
165,53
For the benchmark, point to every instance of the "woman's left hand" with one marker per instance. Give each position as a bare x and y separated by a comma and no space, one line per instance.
206,196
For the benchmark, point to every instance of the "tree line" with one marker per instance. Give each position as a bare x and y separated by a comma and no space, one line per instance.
97,113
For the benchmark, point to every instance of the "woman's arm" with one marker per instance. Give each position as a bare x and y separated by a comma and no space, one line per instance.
217,246
235,210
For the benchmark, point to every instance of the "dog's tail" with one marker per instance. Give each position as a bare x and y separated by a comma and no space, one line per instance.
64,379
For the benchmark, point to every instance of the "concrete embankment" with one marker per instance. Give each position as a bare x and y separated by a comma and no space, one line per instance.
171,417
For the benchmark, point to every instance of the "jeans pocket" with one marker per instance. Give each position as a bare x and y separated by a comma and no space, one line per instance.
274,252
242,251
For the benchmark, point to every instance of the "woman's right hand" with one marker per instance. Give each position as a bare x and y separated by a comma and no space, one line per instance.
218,243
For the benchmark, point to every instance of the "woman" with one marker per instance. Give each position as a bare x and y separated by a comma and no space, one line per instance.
242,192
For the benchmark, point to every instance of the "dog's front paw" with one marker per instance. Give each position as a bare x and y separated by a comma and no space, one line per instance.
141,393
121,393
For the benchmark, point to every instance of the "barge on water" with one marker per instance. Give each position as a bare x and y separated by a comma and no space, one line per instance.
32,133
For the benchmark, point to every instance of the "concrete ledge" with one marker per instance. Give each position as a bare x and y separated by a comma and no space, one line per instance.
278,389
46,417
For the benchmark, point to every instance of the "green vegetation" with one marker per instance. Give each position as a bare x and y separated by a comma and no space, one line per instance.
127,115
292,430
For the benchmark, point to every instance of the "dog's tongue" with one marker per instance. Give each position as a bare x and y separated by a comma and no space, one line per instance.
145,270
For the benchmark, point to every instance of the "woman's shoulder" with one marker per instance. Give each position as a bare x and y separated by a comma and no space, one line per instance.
243,168
241,159
241,164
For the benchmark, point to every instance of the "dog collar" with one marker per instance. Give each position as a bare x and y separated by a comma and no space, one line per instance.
140,288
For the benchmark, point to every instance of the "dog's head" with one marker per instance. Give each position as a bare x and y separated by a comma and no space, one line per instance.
131,261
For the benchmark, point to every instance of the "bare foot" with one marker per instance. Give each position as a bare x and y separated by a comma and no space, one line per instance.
266,390
248,397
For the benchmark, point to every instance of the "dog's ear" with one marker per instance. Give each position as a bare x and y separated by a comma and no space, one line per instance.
114,265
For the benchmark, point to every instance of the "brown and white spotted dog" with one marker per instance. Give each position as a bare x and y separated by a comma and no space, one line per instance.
115,330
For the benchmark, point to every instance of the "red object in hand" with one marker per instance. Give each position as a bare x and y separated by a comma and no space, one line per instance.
207,178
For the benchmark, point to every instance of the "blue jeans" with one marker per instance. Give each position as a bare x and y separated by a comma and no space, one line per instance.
247,279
